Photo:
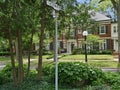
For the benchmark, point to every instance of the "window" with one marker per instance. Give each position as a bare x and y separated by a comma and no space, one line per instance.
114,29
90,31
72,33
79,31
103,46
102,29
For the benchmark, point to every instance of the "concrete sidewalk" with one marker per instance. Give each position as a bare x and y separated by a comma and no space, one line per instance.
2,66
110,69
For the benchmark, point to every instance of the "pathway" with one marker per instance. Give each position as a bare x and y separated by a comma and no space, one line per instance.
2,66
110,69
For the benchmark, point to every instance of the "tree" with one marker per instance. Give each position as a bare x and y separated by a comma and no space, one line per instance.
5,28
14,24
93,41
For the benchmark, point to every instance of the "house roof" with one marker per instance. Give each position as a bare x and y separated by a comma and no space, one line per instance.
98,16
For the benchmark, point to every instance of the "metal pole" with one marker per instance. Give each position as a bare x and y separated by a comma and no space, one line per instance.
56,52
85,50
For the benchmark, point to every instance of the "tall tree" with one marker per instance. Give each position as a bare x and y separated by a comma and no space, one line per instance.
5,18
41,37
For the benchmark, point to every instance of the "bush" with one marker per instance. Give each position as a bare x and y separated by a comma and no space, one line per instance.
107,52
101,52
77,51
113,79
100,87
46,69
4,53
74,74
94,52
6,73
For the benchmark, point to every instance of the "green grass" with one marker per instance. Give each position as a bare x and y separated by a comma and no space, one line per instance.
94,60
102,64
90,57
4,58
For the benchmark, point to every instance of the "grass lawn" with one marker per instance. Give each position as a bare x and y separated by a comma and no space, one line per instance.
90,57
94,60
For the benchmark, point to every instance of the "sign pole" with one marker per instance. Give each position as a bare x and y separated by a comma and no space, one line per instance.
56,8
56,51
56,48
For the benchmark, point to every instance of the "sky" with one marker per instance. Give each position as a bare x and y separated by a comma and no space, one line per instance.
108,10
82,1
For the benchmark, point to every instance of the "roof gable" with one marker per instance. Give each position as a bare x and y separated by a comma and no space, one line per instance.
98,16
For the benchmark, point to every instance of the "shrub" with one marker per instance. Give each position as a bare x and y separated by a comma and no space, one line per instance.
6,73
46,69
94,52
107,52
116,86
4,53
112,78
75,73
100,87
77,51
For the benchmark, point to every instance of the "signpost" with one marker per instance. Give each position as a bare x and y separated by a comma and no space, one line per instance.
54,5
56,8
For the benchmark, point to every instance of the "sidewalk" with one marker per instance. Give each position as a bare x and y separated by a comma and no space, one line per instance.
110,69
115,57
2,66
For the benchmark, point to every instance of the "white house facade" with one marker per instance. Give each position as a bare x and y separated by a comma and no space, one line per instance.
114,36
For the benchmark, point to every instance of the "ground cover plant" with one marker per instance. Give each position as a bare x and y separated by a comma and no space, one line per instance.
72,76
30,83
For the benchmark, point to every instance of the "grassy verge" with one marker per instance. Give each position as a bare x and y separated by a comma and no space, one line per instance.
90,57
94,60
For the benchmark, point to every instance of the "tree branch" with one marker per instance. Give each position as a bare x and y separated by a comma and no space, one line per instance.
115,4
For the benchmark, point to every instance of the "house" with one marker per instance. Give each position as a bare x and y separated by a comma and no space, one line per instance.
76,38
114,36
104,31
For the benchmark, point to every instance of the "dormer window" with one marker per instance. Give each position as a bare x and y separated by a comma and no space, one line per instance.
102,29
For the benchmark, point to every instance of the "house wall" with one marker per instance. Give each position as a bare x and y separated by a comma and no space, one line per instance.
108,31
114,36
114,30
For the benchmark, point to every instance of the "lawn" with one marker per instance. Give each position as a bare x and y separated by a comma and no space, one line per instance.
94,60
90,57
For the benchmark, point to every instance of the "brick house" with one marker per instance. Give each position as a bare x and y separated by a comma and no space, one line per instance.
104,31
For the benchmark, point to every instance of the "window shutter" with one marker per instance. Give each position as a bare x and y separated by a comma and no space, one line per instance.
108,44
99,30
106,29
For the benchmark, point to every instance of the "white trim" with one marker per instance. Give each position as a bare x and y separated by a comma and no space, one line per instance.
104,29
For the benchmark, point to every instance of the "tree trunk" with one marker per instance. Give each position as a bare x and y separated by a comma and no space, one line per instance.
29,53
16,49
41,37
12,58
20,61
118,18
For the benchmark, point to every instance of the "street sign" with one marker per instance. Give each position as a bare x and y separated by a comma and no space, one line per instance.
54,5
